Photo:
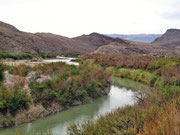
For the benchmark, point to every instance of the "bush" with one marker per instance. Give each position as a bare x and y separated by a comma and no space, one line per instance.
71,83
21,70
137,75
15,56
12,101
1,72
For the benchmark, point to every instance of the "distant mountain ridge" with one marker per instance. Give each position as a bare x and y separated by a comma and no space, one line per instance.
147,38
14,40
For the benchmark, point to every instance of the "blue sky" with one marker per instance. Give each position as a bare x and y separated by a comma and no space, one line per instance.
76,17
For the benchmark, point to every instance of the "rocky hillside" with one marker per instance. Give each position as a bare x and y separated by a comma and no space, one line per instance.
97,40
137,48
170,39
14,40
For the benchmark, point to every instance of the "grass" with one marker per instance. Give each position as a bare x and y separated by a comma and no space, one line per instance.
149,120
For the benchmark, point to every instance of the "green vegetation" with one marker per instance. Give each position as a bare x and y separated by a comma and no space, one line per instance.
157,113
47,55
79,84
136,75
12,101
15,56
71,54
152,119
1,72
167,68
77,60
66,84
21,70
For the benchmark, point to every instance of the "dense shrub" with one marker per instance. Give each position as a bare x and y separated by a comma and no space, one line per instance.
156,113
47,55
1,72
167,68
133,120
12,101
79,83
21,70
137,75
15,56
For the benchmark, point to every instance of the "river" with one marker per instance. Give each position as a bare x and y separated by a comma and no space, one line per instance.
57,124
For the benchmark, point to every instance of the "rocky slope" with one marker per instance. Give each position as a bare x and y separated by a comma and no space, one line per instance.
136,48
171,39
166,45
14,40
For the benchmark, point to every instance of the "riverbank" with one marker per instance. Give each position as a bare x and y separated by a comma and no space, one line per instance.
37,111
46,89
57,124
157,111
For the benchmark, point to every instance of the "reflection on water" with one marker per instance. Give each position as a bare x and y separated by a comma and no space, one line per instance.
57,124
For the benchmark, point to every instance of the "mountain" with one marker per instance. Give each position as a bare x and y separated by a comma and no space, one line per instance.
98,40
135,48
170,39
14,40
147,38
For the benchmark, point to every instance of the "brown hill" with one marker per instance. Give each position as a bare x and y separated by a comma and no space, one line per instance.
97,40
137,48
14,40
170,39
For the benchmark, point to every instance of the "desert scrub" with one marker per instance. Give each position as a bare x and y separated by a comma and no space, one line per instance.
45,69
46,55
130,84
79,83
167,68
137,75
15,56
13,100
53,68
153,118
21,70
2,68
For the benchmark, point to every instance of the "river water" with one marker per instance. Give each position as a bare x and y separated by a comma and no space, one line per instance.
67,60
57,124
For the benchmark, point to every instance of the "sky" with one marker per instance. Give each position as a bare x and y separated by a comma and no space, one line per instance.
76,17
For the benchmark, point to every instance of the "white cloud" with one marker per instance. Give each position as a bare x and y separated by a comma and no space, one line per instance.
76,17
